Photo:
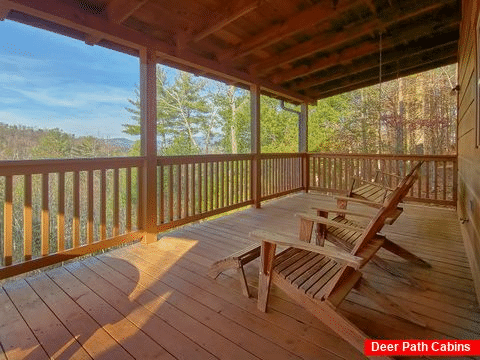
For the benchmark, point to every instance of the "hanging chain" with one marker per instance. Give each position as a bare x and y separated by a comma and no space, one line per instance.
380,67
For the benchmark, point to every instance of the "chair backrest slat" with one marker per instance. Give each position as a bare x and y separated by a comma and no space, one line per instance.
388,206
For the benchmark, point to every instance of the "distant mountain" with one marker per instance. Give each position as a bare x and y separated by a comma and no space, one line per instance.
124,144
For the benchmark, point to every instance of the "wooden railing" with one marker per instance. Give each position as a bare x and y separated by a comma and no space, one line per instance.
190,188
281,174
437,183
54,210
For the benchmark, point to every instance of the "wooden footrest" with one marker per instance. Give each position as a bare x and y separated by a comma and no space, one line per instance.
236,261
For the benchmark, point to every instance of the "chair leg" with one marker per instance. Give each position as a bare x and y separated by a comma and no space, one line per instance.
338,323
267,257
398,274
243,281
365,288
404,253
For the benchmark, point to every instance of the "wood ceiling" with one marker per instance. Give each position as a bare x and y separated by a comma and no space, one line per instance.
298,50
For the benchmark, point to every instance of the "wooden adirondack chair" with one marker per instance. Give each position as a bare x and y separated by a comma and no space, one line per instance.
319,278
374,194
347,240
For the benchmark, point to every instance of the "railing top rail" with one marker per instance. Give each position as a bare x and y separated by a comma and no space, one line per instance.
385,156
281,155
190,159
29,167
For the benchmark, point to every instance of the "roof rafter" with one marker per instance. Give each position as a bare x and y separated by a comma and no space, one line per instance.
322,43
71,17
120,10
224,16
304,19
352,53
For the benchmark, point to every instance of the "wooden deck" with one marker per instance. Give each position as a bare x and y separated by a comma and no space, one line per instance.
156,301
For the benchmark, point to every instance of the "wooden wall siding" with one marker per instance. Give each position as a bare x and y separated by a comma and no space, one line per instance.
53,213
468,153
436,184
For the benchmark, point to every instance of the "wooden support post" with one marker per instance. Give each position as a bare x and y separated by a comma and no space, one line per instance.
303,129
303,146
148,96
255,146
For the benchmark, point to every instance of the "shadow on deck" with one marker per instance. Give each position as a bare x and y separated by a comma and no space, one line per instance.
156,301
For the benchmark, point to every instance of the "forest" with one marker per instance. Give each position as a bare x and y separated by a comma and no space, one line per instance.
411,115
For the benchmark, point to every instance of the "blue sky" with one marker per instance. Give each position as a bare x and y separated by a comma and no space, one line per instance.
52,81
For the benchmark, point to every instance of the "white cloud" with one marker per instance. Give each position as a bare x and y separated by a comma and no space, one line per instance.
83,95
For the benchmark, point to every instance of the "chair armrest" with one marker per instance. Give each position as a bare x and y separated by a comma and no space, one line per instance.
360,201
325,221
342,211
376,185
389,174
335,254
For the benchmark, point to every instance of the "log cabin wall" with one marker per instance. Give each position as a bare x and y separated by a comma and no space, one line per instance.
468,149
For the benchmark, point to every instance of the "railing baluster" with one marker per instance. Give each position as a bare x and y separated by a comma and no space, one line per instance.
435,179
128,185
161,201
45,220
194,165
90,208
61,213
8,222
221,190
227,173
76,209
241,182
205,187
210,183
103,205
179,191
187,189
170,193
116,202
27,218
444,180
427,180
140,213
217,184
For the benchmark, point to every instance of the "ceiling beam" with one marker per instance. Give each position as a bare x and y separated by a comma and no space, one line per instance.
325,43
391,57
296,23
70,17
352,53
223,17
362,80
120,10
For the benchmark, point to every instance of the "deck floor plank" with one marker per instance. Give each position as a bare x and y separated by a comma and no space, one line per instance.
161,299
94,339
167,336
178,279
57,341
131,338
16,338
